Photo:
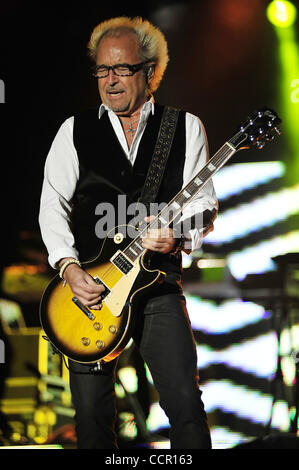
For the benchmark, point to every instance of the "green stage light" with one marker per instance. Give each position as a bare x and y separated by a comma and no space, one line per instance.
288,53
281,13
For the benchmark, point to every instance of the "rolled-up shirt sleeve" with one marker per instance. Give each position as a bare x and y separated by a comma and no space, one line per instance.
197,155
61,174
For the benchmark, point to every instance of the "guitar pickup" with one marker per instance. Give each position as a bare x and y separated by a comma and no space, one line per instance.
106,291
122,262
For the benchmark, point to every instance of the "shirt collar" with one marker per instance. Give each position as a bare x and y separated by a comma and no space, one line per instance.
147,108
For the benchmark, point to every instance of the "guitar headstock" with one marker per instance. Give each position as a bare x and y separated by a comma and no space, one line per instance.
260,128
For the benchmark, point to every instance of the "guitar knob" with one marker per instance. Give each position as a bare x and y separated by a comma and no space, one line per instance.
100,344
85,341
118,238
113,329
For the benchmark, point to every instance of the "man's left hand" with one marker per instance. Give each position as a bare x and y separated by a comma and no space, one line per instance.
161,239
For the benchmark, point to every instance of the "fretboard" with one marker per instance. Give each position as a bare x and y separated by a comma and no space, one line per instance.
175,207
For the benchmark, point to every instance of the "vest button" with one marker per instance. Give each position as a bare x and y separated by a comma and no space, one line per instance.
123,172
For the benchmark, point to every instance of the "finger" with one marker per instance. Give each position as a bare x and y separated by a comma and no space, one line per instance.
82,292
159,240
95,307
151,243
94,304
149,218
161,247
92,285
164,234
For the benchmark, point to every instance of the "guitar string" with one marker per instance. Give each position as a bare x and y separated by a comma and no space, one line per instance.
217,158
226,153
220,155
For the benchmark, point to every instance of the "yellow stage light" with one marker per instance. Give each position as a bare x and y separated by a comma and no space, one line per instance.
282,13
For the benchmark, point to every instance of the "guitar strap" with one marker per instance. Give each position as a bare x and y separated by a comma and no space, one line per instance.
160,156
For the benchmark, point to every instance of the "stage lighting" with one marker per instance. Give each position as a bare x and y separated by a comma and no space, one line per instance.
281,13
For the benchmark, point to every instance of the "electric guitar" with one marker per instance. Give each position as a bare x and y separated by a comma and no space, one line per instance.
123,267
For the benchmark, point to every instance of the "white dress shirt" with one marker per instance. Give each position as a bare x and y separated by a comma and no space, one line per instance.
62,173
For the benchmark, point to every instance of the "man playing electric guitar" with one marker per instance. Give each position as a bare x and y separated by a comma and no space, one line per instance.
96,156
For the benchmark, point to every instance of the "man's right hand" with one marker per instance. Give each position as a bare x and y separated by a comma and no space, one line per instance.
83,286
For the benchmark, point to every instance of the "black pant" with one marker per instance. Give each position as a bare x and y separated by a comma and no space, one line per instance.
165,340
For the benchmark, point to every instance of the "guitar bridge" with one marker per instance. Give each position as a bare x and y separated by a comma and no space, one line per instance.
84,309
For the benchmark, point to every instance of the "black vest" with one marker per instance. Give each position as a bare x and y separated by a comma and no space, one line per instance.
106,173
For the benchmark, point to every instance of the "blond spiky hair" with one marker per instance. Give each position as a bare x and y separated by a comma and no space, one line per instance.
153,46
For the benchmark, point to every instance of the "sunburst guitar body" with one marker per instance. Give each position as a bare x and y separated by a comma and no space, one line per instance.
87,335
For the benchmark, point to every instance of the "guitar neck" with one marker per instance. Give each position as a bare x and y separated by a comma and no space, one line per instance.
172,210
185,196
